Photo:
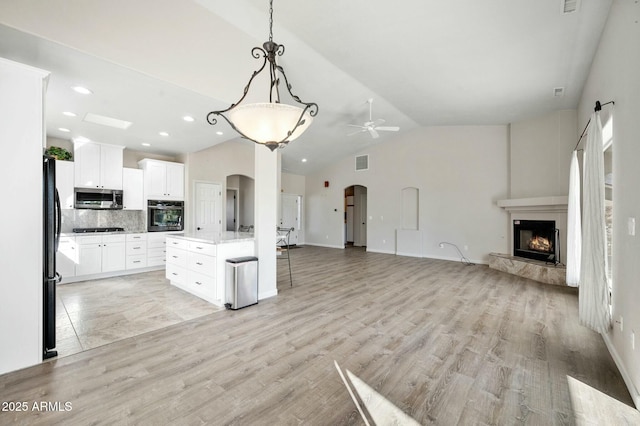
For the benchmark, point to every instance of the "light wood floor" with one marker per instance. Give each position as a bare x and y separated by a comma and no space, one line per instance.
446,343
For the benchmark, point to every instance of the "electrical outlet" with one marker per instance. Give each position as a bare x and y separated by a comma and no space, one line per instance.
466,248
384,241
441,245
633,340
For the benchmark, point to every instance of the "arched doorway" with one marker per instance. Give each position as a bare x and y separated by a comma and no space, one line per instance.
239,202
355,216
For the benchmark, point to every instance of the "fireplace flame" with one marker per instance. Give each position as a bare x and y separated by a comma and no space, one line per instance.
540,244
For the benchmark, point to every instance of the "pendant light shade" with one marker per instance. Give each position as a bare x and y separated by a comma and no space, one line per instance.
270,122
273,123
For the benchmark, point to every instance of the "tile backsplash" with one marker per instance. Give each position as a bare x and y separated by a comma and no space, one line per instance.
130,220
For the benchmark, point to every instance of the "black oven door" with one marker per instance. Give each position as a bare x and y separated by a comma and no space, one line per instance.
165,216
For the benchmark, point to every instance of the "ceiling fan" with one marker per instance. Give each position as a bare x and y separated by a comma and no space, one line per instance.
373,126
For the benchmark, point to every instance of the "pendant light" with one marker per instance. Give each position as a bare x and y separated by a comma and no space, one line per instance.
271,123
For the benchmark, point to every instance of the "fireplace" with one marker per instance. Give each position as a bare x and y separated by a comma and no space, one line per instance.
535,239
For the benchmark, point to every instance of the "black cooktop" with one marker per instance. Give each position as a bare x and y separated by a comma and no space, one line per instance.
84,230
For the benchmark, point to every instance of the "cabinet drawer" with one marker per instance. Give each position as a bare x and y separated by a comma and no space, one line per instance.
176,257
156,261
201,263
200,283
177,243
134,262
115,238
136,237
89,239
176,274
204,248
135,248
156,252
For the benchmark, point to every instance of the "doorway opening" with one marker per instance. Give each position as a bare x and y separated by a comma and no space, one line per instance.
239,203
355,216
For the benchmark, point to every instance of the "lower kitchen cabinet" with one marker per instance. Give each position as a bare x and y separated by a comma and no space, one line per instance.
100,253
66,258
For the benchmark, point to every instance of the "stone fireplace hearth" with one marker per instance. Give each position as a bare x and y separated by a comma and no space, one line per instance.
545,257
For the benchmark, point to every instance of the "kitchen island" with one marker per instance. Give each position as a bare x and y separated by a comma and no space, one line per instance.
196,261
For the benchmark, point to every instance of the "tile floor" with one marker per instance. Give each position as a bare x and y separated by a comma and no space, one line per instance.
97,312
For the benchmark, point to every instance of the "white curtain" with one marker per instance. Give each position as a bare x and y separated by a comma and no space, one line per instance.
574,226
594,292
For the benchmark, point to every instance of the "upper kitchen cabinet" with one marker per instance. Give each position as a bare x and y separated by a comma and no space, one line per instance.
163,180
98,165
64,183
133,189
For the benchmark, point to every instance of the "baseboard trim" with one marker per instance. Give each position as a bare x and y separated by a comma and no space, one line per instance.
325,245
78,278
380,251
267,294
635,395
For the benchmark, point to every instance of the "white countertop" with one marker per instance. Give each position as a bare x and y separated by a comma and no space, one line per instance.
215,238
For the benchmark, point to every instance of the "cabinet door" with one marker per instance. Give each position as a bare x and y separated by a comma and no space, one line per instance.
111,166
113,257
89,259
87,165
133,188
66,258
155,180
64,183
175,181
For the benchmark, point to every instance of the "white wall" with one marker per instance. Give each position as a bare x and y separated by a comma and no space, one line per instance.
615,75
460,172
540,151
214,165
22,135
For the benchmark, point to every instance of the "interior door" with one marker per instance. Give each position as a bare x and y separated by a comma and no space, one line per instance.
290,215
208,207
362,224
232,209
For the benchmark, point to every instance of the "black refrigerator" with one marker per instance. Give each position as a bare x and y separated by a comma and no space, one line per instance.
51,236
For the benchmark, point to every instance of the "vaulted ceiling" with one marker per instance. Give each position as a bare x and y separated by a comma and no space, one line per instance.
424,62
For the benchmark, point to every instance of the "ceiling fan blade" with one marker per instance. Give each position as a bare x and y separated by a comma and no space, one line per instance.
373,133
377,122
356,132
388,128
356,125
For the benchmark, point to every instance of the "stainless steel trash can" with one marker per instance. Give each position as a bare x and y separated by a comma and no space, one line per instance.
241,285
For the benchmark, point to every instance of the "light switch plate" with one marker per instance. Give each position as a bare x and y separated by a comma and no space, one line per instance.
632,226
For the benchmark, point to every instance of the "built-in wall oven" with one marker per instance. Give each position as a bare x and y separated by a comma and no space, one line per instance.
165,215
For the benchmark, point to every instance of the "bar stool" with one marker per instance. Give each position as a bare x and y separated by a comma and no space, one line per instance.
282,240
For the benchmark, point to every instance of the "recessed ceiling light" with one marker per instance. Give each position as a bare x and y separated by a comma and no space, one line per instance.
163,133
146,144
304,160
188,118
69,114
62,129
82,90
219,133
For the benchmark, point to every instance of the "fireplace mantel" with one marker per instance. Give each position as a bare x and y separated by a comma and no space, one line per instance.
552,204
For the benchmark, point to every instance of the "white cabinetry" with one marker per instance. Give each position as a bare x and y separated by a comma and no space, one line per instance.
132,189
136,251
156,249
64,183
199,267
163,180
100,253
66,258
98,165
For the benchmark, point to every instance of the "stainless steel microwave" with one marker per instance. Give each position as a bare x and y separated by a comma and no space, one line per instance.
98,199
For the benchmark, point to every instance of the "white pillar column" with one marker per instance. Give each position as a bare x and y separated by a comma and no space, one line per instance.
266,209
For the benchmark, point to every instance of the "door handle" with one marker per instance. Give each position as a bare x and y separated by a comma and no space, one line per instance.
198,228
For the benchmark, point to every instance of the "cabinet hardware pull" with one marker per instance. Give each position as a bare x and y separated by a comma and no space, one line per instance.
199,263
136,261
173,273
175,257
198,282
199,248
